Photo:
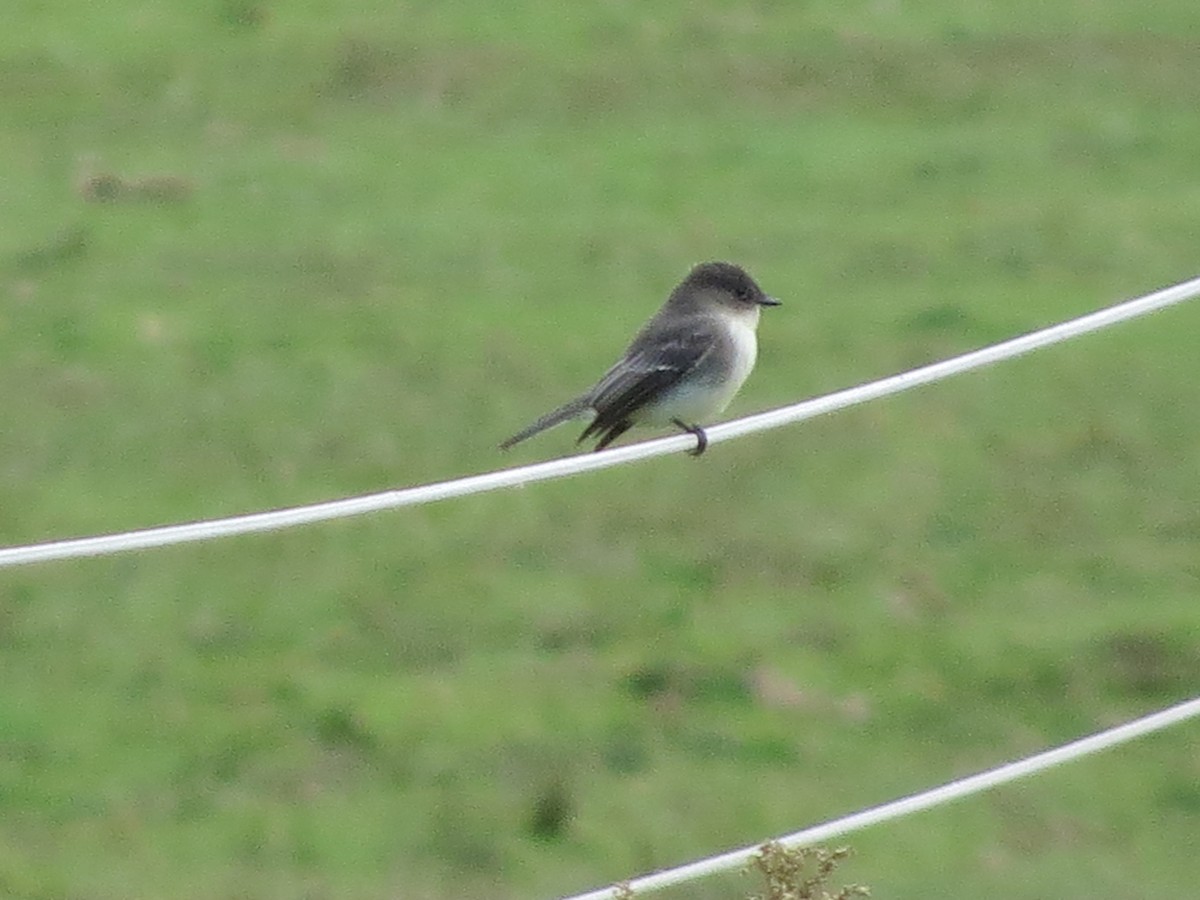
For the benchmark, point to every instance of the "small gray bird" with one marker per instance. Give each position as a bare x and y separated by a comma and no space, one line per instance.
682,368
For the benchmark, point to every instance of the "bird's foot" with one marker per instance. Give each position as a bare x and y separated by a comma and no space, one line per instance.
701,437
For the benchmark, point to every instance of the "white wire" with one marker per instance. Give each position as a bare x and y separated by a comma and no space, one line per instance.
907,805
104,545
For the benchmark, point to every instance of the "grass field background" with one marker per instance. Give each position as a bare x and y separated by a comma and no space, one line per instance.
256,254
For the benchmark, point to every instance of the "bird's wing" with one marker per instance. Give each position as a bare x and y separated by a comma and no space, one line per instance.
655,362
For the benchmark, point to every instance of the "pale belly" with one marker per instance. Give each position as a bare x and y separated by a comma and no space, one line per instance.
700,401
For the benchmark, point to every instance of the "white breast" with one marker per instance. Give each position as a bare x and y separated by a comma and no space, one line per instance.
746,349
700,402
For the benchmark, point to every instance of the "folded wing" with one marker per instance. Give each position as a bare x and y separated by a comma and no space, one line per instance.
654,364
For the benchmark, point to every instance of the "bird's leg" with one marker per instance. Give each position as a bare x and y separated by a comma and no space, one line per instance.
701,437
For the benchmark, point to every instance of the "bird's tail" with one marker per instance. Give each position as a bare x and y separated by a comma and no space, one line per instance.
568,410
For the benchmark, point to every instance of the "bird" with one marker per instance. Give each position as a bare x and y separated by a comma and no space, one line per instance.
682,368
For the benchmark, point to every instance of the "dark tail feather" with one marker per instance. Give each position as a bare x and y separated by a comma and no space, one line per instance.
567,411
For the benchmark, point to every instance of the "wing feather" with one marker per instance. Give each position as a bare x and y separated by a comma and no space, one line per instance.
655,362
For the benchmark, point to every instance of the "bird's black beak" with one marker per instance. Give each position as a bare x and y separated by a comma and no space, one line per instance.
764,300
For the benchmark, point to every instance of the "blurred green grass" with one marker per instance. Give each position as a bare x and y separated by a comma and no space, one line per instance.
394,235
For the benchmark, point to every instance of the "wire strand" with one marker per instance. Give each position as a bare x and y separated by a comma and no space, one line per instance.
907,806
104,545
